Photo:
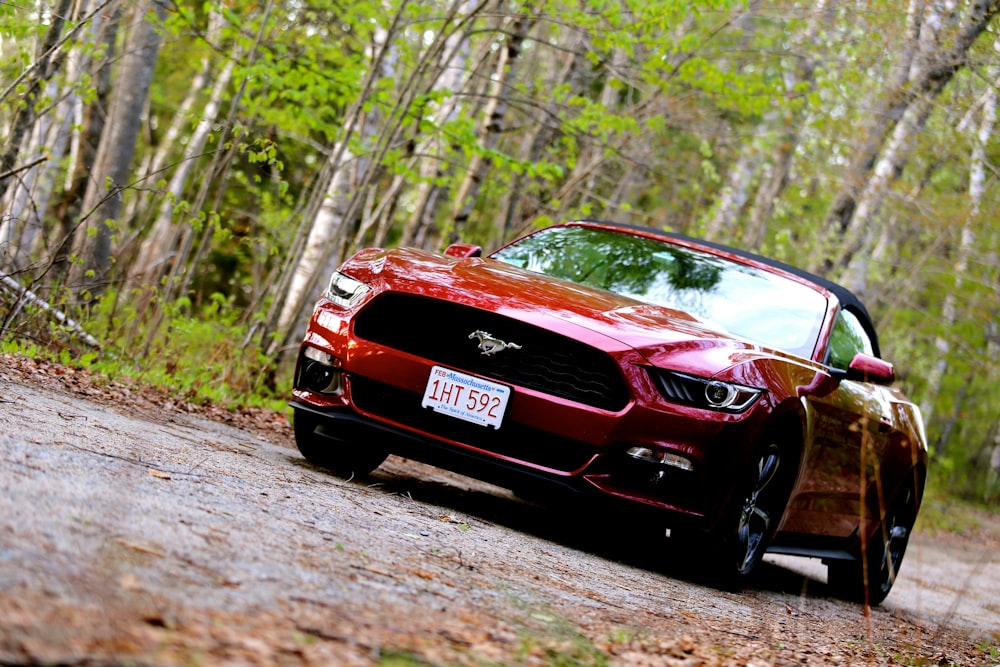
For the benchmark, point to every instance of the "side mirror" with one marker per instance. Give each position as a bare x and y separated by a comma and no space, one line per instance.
463,250
866,368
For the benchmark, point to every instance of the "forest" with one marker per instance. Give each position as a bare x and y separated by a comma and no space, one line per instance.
178,179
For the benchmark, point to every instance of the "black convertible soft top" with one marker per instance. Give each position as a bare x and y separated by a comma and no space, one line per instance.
848,300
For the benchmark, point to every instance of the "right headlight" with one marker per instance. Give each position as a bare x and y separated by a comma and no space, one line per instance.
704,392
344,290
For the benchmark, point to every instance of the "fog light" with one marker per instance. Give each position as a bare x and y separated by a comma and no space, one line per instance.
319,372
662,458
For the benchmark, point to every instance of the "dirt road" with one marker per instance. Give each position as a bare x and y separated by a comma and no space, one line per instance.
144,531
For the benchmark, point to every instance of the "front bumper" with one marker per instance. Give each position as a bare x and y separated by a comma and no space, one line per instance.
608,475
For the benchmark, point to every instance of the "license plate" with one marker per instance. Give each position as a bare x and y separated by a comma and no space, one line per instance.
466,397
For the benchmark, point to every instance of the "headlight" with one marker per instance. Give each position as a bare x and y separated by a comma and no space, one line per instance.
344,290
703,392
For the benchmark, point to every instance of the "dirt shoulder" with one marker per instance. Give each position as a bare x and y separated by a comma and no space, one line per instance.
137,529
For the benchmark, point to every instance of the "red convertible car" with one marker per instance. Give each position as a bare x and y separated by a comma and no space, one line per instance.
738,401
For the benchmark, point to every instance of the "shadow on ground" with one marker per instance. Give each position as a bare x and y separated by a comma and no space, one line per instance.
571,521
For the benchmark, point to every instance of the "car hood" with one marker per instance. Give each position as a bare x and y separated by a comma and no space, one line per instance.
663,336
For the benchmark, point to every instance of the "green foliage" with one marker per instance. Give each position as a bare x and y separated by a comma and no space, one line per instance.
200,355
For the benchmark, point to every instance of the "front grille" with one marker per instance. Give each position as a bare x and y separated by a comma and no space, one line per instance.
512,439
439,331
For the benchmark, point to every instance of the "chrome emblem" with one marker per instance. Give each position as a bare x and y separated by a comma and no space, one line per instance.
489,344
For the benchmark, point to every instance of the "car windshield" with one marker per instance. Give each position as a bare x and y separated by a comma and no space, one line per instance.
744,301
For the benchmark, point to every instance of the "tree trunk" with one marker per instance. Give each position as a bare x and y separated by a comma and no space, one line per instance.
90,120
980,139
23,204
493,120
905,112
159,245
155,163
323,234
769,165
346,203
329,214
450,77
887,108
40,72
539,136
102,202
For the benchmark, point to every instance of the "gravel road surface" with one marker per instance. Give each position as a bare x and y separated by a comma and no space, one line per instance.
136,529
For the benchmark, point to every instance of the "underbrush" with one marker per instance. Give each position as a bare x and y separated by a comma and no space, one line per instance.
207,354
943,511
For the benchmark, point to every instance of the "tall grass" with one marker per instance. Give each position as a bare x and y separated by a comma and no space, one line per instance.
204,353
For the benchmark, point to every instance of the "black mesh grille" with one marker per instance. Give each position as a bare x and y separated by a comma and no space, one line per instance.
513,440
548,362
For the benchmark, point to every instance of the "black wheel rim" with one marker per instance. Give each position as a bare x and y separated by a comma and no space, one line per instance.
756,514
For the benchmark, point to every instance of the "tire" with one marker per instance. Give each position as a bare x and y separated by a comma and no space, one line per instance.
870,578
731,553
340,457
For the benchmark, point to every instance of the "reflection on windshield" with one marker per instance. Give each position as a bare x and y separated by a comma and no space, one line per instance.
744,301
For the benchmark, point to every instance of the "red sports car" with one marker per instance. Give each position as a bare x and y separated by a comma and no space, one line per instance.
739,401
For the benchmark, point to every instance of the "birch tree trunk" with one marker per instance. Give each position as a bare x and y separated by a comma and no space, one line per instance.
102,202
350,201
447,75
538,136
417,86
156,160
328,218
89,120
25,238
159,245
735,192
886,106
493,120
38,76
23,204
938,57
978,166
768,165
428,194
40,141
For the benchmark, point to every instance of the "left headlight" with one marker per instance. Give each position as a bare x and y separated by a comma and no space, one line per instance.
344,290
704,392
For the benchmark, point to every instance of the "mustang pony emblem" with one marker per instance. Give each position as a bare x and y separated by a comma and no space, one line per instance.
489,344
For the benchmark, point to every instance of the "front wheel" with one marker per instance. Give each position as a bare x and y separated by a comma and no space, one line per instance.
341,457
736,548
758,510
870,579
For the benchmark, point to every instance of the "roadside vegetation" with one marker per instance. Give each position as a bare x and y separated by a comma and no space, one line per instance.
202,355
177,180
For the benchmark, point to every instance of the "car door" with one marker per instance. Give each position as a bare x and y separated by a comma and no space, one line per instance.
847,434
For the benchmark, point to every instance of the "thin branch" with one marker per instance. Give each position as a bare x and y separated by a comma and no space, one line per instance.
7,174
